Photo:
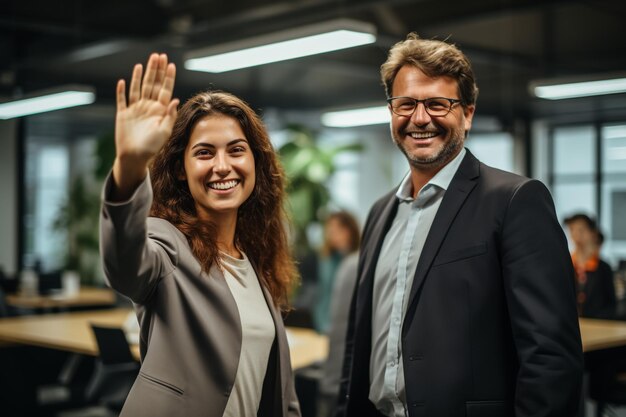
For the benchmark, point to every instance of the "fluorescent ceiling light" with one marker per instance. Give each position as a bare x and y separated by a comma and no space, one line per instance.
63,98
357,117
574,89
295,43
99,50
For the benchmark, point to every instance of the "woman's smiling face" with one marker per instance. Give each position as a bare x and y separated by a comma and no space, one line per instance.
218,166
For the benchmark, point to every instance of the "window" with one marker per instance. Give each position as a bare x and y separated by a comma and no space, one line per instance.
493,149
613,202
588,175
47,176
574,170
63,149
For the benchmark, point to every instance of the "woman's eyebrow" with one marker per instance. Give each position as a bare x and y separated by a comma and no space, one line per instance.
209,145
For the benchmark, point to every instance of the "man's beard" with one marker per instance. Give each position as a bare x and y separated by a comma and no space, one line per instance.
447,152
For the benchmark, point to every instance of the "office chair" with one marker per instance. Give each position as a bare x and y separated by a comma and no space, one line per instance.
4,309
115,370
49,282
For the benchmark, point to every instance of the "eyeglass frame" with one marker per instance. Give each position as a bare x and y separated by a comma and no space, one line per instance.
452,101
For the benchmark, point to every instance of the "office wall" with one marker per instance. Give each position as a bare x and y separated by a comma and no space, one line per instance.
8,196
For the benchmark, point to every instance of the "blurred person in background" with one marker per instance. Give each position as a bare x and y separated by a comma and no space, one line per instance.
595,288
341,238
343,288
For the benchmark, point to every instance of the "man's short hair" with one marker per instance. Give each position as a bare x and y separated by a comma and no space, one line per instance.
434,58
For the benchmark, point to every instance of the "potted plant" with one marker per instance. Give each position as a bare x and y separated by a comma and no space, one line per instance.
78,216
308,167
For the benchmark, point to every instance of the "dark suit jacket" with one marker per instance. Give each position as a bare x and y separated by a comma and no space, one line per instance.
190,338
491,327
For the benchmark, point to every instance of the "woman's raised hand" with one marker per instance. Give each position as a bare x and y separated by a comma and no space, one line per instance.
144,122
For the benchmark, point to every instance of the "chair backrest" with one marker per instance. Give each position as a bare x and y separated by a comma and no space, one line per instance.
49,282
112,344
4,310
115,369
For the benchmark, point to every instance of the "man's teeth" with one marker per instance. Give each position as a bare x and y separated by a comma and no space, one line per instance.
223,185
423,135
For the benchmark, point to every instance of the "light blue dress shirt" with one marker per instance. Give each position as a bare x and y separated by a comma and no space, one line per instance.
393,278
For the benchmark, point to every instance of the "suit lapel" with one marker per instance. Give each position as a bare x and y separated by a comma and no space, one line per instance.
370,253
462,184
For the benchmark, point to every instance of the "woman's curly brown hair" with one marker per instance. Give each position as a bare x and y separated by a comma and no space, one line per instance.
261,230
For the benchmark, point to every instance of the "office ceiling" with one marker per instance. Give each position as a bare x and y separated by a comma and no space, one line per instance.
510,42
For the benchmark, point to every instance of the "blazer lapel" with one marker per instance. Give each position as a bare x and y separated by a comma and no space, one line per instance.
460,187
370,252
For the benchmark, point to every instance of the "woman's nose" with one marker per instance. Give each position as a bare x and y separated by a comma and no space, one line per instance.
222,166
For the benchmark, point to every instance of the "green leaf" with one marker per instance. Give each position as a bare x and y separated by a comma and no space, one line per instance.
308,168
318,171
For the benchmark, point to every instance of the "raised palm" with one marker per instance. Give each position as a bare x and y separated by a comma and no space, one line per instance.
144,123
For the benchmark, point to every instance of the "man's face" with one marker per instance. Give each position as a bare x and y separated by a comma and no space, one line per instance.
428,142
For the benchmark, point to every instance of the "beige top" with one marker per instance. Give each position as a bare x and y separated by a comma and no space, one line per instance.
257,330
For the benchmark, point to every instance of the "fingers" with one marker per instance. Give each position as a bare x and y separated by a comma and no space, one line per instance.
165,94
149,78
158,81
135,84
160,76
172,111
121,95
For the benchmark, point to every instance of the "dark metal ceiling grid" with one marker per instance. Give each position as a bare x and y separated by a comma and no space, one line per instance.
44,44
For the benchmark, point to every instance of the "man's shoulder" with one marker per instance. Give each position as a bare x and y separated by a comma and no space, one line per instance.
499,179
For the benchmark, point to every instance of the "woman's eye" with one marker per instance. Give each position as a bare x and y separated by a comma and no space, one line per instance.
203,152
238,149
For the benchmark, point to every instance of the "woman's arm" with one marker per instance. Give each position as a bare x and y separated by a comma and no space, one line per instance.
143,123
133,263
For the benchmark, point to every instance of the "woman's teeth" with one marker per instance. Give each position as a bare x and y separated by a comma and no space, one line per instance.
223,185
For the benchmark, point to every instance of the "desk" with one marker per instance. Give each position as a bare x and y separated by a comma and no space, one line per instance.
71,332
86,297
602,334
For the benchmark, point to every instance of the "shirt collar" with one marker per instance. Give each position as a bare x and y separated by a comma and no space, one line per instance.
442,179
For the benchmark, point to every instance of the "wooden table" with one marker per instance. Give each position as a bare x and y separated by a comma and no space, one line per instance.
306,347
86,297
71,332
602,334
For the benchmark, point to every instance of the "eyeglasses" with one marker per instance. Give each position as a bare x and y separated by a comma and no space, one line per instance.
434,106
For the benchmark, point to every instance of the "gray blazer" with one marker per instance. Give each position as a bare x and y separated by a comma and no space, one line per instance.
190,337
